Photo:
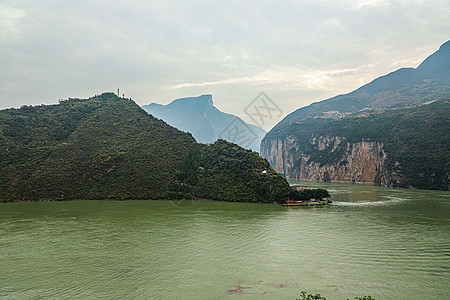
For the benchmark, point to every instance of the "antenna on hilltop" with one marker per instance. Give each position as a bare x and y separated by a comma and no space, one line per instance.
118,94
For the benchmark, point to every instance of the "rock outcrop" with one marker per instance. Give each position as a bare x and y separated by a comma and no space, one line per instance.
354,162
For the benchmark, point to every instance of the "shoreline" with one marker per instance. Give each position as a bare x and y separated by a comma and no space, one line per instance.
338,181
119,200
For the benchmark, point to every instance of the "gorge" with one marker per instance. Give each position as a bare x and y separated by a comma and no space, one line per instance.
392,132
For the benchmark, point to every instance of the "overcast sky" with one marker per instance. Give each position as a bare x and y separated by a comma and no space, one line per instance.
297,51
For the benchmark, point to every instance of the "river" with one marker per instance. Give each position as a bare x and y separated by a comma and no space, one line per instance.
387,243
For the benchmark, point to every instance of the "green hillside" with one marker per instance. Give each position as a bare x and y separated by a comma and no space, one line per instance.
225,171
416,141
406,87
107,147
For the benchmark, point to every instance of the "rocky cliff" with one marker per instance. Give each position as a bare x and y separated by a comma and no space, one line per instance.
362,161
405,147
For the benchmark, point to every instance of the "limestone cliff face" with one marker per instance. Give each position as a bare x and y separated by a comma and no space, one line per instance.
329,158
280,153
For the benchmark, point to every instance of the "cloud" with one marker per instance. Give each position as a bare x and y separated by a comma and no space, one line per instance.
358,4
9,20
283,77
298,51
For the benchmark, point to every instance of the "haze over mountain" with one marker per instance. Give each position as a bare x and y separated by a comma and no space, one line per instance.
289,146
206,123
401,88
437,65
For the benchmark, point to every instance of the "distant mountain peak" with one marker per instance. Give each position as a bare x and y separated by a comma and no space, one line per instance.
199,101
199,116
437,64
445,45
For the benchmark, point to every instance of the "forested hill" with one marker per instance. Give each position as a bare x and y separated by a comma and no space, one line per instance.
406,147
416,142
107,147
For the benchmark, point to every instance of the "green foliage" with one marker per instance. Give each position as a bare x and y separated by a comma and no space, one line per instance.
416,141
308,194
224,171
107,147
304,296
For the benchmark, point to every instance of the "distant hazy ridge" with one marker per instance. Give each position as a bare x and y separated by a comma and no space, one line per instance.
206,123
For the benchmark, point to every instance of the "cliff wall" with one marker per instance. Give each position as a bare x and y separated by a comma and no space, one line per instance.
331,159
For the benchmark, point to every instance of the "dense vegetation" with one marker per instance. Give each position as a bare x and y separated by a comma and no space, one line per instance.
107,147
308,194
304,296
416,141
225,171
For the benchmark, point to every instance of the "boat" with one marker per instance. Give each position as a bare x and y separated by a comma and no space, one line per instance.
311,202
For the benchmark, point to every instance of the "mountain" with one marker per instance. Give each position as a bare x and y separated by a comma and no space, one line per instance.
107,147
437,65
284,145
402,88
206,123
406,147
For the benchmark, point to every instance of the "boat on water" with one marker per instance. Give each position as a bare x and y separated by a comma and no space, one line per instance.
311,202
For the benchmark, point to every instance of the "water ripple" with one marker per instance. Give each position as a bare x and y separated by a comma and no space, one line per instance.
374,241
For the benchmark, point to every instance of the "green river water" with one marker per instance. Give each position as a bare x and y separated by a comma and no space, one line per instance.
387,243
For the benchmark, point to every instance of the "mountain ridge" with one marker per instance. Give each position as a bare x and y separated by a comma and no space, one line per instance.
385,92
199,116
403,88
